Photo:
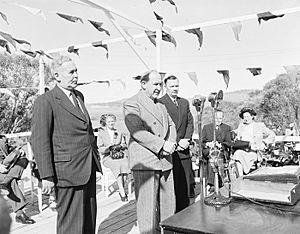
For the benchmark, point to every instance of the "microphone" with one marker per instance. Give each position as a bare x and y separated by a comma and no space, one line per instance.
198,102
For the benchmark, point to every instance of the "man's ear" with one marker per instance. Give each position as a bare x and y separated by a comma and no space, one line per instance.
143,85
56,76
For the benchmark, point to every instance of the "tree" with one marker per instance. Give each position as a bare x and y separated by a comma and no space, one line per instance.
19,74
280,102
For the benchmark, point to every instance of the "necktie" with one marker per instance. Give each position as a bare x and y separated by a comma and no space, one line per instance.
73,95
175,102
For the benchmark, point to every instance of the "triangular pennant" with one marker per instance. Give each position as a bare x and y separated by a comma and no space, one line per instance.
172,3
226,77
98,26
100,44
4,17
152,1
169,38
4,44
151,35
236,28
70,18
29,53
158,17
121,81
267,16
41,52
162,74
293,72
139,77
71,49
33,11
198,33
193,77
9,38
95,81
7,91
20,41
165,37
255,70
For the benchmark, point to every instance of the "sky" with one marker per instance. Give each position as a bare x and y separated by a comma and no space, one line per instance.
270,45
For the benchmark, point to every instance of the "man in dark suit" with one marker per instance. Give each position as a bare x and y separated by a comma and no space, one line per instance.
152,141
179,110
65,150
223,134
11,171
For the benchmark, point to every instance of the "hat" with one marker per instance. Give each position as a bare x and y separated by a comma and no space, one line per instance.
247,109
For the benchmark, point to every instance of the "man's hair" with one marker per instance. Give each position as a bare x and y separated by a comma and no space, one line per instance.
170,78
103,118
58,60
146,76
219,110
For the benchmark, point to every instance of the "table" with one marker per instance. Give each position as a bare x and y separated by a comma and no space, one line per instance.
239,217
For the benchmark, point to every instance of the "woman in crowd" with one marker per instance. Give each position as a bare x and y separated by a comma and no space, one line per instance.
113,149
258,136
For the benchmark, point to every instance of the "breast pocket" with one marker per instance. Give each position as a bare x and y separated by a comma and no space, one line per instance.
62,158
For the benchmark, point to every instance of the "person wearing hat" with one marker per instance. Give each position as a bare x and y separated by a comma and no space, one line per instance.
258,136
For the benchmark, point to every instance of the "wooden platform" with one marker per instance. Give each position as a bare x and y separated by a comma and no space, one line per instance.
113,215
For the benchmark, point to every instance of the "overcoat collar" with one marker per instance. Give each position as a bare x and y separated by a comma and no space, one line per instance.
150,106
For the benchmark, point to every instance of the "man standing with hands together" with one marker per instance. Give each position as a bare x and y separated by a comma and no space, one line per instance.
152,141
179,110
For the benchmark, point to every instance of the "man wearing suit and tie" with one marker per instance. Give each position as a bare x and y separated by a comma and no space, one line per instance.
152,141
65,150
223,134
179,110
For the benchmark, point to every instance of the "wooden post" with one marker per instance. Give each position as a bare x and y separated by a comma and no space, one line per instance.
41,75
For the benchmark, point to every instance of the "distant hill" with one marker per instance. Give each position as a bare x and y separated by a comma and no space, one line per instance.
236,98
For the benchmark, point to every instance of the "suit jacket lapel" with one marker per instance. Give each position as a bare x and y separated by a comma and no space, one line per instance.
150,106
180,112
85,112
65,102
172,109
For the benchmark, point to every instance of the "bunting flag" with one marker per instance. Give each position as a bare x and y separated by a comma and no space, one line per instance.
8,38
30,53
121,81
255,70
236,28
98,26
162,74
95,81
4,17
226,77
33,11
42,53
169,38
139,77
158,17
293,72
165,37
7,91
198,33
71,49
193,77
4,44
100,44
70,18
20,41
170,1
267,16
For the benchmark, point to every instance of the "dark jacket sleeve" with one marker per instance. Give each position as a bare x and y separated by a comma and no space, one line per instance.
190,125
228,134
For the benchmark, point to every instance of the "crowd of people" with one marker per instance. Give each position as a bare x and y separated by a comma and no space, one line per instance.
157,152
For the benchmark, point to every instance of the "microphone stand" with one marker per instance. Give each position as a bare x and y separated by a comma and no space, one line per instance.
216,199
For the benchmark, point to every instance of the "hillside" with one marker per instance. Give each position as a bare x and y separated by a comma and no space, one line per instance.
236,99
